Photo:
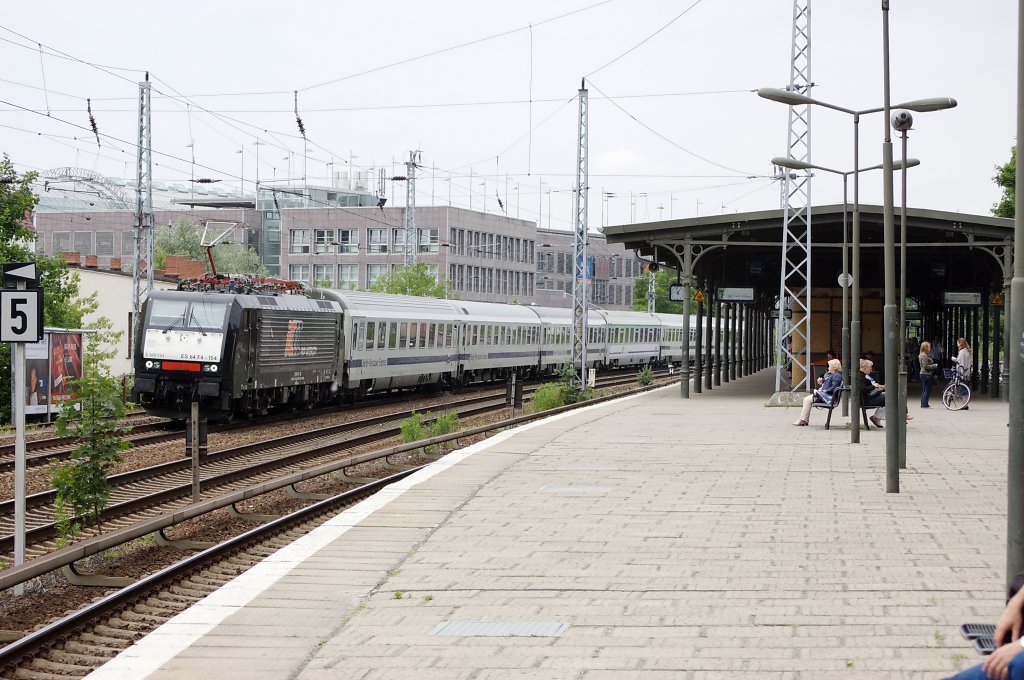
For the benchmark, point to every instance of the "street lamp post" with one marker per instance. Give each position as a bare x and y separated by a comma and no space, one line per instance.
890,318
918,105
844,278
902,122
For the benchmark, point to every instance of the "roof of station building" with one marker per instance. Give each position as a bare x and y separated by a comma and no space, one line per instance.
945,250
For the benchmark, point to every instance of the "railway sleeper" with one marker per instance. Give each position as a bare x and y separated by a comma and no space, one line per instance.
44,669
82,653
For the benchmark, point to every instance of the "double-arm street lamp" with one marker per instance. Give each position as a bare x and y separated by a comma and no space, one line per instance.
918,105
844,278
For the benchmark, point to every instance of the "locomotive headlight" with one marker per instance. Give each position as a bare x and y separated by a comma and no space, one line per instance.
213,368
149,364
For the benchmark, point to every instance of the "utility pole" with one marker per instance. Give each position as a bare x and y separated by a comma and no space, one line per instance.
795,281
410,209
143,207
579,283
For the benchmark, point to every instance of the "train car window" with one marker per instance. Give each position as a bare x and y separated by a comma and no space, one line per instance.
371,329
431,341
392,335
423,336
403,335
382,329
413,334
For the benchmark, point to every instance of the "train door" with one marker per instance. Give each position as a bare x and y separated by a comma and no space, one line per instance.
245,358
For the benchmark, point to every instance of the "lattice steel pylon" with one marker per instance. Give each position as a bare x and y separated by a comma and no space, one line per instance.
142,282
580,267
410,209
795,278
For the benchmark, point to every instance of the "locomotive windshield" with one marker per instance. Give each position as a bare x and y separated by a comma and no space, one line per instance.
200,315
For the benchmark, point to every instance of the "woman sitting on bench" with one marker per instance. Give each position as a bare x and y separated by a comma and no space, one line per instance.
827,386
871,392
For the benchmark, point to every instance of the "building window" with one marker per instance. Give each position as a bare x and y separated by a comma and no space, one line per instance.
348,241
432,271
398,239
83,242
375,272
348,276
428,240
104,243
323,275
323,240
298,241
298,272
61,242
377,240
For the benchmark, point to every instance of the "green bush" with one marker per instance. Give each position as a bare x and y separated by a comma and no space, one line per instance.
645,377
445,423
551,395
412,428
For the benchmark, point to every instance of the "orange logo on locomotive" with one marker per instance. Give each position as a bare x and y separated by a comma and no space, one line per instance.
289,339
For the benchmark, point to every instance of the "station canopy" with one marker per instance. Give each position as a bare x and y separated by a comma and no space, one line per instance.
945,250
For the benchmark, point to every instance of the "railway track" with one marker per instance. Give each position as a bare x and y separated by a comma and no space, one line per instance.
81,642
147,492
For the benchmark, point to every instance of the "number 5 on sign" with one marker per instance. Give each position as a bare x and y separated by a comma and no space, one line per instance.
21,315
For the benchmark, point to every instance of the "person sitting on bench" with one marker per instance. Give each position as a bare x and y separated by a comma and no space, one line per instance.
827,386
871,392
1007,662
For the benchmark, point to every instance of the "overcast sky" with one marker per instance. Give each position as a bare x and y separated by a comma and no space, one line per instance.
487,92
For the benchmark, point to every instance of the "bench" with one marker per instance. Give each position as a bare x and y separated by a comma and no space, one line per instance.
837,398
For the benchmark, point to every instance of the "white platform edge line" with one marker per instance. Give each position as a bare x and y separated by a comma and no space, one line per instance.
170,638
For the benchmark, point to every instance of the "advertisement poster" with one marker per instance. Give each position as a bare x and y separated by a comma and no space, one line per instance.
37,381
65,365
50,365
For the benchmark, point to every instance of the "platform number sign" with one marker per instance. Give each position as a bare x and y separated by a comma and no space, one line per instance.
21,315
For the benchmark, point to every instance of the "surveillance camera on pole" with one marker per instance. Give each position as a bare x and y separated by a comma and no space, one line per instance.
902,121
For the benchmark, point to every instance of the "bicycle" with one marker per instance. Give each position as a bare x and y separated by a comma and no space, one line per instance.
957,394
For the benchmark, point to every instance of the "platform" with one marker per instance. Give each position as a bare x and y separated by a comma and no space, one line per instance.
651,537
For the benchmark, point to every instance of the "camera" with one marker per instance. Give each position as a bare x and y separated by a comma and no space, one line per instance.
902,121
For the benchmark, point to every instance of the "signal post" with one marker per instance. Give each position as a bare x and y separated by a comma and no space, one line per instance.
21,321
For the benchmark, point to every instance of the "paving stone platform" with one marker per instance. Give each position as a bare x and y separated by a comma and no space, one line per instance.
651,537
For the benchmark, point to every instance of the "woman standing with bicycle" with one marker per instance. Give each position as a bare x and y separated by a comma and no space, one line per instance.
962,363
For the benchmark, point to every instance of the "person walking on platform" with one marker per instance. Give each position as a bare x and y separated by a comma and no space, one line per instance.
872,393
827,386
1007,662
962,363
928,367
938,352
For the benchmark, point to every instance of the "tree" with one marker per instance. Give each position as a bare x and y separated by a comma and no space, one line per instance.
662,280
1006,178
92,416
62,307
416,280
184,238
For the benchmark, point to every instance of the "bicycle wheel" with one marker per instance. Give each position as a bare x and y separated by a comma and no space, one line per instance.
956,396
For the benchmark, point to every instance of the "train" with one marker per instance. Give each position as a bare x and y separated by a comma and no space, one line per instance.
243,350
